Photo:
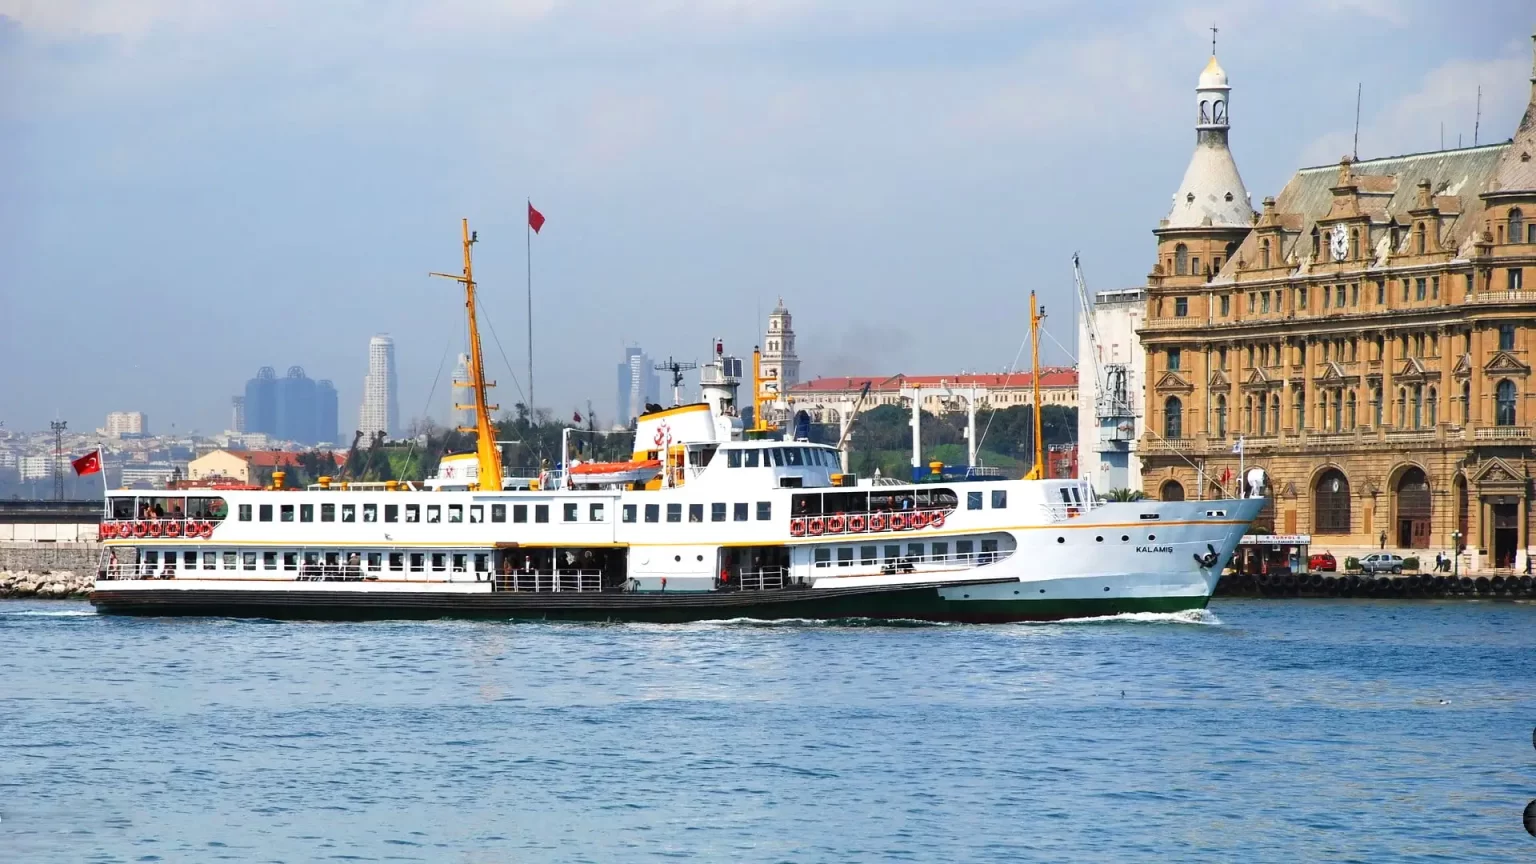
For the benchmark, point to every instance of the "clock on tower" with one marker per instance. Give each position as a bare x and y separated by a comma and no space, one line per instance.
1338,241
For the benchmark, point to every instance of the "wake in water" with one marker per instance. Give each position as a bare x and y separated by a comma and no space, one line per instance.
1188,616
50,613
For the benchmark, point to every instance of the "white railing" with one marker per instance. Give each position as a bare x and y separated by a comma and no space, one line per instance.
551,580
822,525
765,579
1502,433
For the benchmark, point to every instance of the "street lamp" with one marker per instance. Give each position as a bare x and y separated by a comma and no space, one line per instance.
1455,553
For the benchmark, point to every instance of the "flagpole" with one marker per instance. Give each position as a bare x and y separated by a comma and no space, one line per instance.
1242,452
528,238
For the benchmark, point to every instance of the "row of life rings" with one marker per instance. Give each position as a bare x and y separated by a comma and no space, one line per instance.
838,523
155,528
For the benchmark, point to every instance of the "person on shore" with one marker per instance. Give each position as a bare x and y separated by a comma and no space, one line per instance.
1383,541
1439,561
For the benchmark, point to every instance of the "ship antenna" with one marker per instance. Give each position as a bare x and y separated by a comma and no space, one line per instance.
1035,317
486,452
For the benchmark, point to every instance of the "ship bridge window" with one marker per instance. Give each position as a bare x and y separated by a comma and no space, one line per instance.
375,561
122,508
754,458
595,513
327,512
571,511
999,499
291,561
628,513
695,512
794,456
653,512
733,458
945,498
764,511
455,512
349,512
739,512
674,512
418,562
498,512
284,513
973,500
541,512
413,512
476,514
268,560
391,512
717,511
306,512
245,512
704,454
397,561
519,513
434,513
265,512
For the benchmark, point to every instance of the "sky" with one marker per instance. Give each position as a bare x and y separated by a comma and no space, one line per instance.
190,190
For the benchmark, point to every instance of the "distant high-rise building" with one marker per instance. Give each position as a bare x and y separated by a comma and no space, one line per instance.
291,408
637,385
326,404
126,424
237,418
462,395
296,414
780,365
261,402
381,405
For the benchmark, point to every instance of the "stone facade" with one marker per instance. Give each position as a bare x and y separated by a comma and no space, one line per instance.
1369,339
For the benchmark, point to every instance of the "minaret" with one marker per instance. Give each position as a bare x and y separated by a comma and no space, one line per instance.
1211,211
781,365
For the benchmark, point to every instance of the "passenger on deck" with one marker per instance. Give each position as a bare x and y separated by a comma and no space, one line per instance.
112,566
354,567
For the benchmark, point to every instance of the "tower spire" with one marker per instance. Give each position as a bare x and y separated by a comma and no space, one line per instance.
1213,40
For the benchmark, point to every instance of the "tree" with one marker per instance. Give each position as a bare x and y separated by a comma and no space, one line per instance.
1123,494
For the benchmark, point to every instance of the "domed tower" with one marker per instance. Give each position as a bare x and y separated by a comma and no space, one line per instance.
1211,212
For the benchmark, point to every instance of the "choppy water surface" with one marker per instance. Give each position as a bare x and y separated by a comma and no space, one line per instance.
1267,731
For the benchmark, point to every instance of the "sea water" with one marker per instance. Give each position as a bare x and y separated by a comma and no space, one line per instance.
1258,731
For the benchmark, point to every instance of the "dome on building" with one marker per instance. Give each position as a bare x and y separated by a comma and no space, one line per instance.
1212,76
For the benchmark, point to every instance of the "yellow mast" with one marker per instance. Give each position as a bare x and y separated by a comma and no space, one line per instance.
1038,471
486,452
760,398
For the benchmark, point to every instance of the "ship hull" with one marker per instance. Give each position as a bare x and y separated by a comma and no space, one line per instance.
976,603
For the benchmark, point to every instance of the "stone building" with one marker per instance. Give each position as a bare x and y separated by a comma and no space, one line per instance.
1366,334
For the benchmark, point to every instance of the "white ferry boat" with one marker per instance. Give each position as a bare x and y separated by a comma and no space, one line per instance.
707,520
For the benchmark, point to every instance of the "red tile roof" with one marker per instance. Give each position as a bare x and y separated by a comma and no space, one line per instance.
276,458
1050,376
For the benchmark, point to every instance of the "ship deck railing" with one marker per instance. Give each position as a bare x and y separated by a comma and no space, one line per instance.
562,579
763,579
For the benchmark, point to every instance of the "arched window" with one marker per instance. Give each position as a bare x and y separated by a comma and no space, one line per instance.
1430,404
1354,243
1264,252
1248,414
1338,411
1402,408
1274,412
1330,503
1504,403
1171,491
1418,406
1301,411
1181,260
1376,409
1173,419
1221,415
1263,416
1415,507
1205,111
1516,225
1419,246
1466,401
1349,410
1317,243
1219,111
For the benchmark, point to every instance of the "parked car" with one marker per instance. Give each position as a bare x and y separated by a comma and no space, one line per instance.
1322,562
1381,562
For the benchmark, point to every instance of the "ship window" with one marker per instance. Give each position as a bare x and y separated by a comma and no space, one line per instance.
805,505
152,558
733,458
439,562
265,513
915,551
779,460
482,562
459,559
541,512
740,514
327,512
595,513
629,513
391,512
964,549
973,500
764,511
941,551
750,458
999,499
268,560
332,561
674,512
519,512
210,560
284,513
434,513
413,512
498,512
571,511
306,512
245,512
311,560
290,561
248,561
455,512
695,512
476,514
717,511
653,512
823,557
988,551
375,560
867,555
418,562
188,559
845,556
397,561
349,512
794,456
892,552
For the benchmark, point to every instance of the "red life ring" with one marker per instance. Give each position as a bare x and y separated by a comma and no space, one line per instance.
877,522
173,529
835,524
814,526
855,524
154,528
898,521
207,529
101,531
918,520
797,527
140,529
937,521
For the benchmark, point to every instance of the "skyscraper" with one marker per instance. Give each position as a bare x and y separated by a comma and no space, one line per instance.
325,413
291,408
296,407
381,404
261,402
637,385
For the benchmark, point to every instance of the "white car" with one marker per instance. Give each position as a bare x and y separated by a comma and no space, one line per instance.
1381,562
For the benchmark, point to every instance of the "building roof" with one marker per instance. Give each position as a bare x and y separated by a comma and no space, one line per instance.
1050,377
1517,170
273,458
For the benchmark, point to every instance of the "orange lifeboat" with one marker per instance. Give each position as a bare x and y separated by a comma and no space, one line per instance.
638,471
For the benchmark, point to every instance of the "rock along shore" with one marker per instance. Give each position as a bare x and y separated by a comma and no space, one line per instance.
55,584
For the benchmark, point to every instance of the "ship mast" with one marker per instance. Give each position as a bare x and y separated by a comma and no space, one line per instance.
486,452
1035,317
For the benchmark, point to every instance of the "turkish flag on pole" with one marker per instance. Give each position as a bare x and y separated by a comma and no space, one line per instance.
535,218
90,463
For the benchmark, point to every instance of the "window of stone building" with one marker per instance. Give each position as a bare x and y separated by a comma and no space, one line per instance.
1263,414
1181,307
1338,411
1500,234
1216,264
1279,301
1354,243
1466,341
1405,289
1402,408
1327,297
1530,233
1194,266
1181,260
1354,293
1434,287
1349,411
1299,406
1248,356
1376,409
1504,403
1468,285
1516,224
1330,503
1432,404
1418,344
1221,415
1221,355
1466,401
1264,252
1338,291
1381,292
1264,301
1299,357
1173,418
1381,347
1353,348
1418,406
1301,297
1402,345
1419,240
1173,359
1253,302
1419,292
1317,244
1434,345
1226,305
1515,279
1506,337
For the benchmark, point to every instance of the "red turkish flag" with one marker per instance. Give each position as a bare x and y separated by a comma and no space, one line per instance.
535,218
90,463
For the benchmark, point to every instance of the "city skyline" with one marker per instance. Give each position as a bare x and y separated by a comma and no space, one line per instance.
924,157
